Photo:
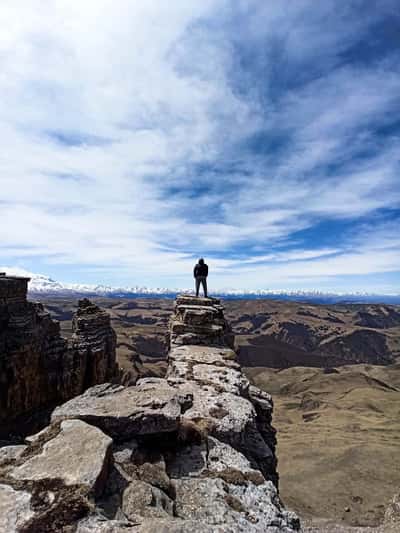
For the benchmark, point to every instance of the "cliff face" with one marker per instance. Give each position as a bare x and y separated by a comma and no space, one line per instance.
93,346
191,452
37,366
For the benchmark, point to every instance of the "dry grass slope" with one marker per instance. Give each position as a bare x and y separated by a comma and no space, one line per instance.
338,439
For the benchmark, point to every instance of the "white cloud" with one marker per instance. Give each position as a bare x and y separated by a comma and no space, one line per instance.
108,108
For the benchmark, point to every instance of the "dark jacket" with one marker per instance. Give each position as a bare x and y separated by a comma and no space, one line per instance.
200,270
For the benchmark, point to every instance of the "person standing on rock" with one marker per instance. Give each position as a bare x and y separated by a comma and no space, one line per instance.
200,273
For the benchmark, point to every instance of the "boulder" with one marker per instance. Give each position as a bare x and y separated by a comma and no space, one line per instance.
123,453
10,453
207,500
231,419
141,498
151,407
15,509
78,455
187,300
215,459
237,508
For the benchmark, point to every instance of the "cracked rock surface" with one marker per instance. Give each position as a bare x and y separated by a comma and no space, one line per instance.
194,452
77,456
150,407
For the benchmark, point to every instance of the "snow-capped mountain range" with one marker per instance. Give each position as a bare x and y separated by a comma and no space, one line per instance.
41,285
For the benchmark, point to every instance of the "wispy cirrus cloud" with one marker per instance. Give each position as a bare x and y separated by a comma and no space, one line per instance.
137,135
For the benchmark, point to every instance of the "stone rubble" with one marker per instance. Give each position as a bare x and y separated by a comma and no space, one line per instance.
194,452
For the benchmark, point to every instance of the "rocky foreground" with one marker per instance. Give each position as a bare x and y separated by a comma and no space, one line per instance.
192,452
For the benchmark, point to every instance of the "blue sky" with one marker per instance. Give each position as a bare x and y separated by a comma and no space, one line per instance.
264,136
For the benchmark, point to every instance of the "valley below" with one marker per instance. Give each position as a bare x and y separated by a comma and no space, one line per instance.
334,374
338,439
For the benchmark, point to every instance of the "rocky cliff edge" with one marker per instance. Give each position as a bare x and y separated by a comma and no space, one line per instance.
192,452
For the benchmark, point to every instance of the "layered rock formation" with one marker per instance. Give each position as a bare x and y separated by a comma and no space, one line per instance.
200,321
93,346
38,368
224,402
191,452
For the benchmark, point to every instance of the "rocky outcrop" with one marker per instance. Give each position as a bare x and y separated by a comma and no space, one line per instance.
38,368
77,455
137,408
200,321
225,405
192,452
93,346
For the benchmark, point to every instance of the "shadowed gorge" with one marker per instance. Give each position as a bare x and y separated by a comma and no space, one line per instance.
38,367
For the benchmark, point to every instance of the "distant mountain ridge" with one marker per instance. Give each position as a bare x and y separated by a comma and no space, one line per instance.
41,285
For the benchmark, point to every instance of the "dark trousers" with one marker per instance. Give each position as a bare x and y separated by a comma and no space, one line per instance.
203,281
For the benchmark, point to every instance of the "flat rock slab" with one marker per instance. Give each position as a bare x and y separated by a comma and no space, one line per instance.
223,379
15,509
204,354
234,507
215,459
198,339
150,407
179,328
227,413
146,500
206,500
196,300
10,453
78,455
198,308
263,507
197,314
228,417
